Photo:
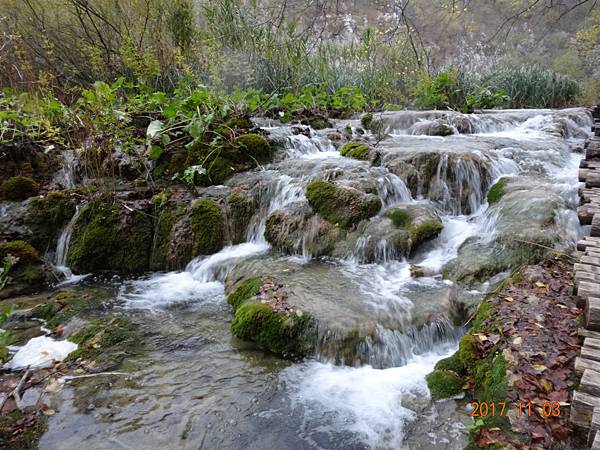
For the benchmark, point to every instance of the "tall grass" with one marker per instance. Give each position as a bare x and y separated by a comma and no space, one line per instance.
535,87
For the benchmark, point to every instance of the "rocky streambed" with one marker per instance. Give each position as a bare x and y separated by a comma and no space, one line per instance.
299,303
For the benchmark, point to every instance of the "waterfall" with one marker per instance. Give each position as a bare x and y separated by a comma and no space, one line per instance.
62,247
66,176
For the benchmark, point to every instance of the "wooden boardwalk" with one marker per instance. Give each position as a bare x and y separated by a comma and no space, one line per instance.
585,408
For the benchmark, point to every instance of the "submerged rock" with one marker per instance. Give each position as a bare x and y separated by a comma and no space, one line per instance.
522,230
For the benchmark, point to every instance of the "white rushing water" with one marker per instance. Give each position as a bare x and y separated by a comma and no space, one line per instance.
375,404
62,251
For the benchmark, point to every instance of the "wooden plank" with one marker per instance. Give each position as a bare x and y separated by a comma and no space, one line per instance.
591,260
592,179
581,364
585,173
586,276
588,333
588,242
586,268
595,230
592,252
588,289
590,383
582,408
592,311
594,355
596,442
592,342
586,213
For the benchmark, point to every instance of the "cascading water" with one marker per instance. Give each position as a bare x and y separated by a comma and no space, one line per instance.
62,250
365,387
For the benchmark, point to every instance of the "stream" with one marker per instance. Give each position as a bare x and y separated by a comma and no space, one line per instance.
196,386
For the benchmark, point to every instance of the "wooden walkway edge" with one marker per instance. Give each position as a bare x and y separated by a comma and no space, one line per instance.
585,407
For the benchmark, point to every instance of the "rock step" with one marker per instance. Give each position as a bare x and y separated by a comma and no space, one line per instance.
582,408
589,164
590,290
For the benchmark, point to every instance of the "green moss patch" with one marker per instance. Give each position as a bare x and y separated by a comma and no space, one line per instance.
356,150
343,206
244,291
279,332
256,147
425,231
109,237
18,188
496,191
452,363
47,216
20,249
444,384
400,217
208,227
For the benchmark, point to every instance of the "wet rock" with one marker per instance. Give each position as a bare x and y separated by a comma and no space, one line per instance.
509,243
340,205
298,230
26,159
432,128
356,149
420,221
112,236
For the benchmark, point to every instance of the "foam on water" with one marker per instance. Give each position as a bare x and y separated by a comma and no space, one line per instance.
362,400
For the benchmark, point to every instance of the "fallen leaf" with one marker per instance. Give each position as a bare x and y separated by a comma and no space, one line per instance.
518,340
49,412
509,299
539,367
546,385
540,284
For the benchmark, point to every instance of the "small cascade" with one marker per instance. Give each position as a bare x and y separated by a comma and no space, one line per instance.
460,184
283,192
67,174
302,146
62,248
392,190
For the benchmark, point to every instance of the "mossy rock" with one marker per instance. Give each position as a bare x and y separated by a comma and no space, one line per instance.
400,217
496,191
339,205
366,120
20,249
109,237
166,216
47,216
208,227
278,332
243,291
241,208
18,188
239,123
425,231
421,225
444,384
256,147
356,150
452,363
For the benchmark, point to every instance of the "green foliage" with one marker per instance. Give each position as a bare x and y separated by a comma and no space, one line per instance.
18,188
357,150
535,87
208,227
496,191
453,89
342,206
243,291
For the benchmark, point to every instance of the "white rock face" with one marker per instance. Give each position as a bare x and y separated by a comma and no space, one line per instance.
40,352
